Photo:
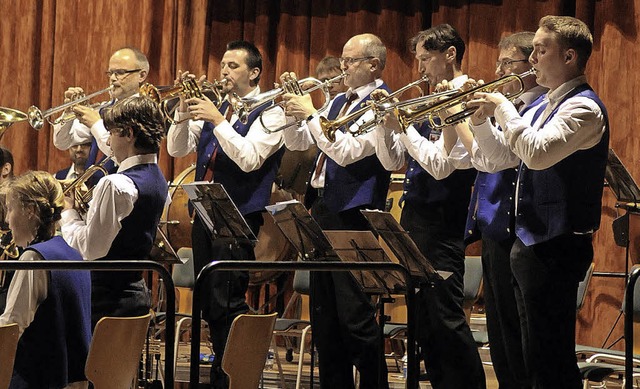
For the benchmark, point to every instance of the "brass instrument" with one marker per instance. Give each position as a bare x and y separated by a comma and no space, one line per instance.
441,110
244,106
37,117
75,188
8,245
187,88
8,116
329,127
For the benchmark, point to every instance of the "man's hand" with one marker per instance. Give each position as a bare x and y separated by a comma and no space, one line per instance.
86,115
300,107
486,103
204,109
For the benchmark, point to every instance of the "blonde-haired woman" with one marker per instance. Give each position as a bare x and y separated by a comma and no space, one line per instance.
52,308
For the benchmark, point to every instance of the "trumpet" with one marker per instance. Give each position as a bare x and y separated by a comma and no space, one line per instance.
329,127
187,88
244,106
441,110
75,188
37,117
8,116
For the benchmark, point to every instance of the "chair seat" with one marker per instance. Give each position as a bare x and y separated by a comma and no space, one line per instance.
598,371
287,324
391,330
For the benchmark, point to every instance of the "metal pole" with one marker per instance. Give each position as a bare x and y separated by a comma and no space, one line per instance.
628,327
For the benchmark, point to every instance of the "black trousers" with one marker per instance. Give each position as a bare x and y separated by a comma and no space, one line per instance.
345,329
546,284
444,337
133,299
503,323
224,293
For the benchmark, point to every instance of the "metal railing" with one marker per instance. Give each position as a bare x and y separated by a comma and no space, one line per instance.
412,365
120,265
628,327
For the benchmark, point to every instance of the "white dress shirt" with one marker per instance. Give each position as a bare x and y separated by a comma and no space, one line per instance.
490,151
391,149
346,149
248,152
577,125
113,199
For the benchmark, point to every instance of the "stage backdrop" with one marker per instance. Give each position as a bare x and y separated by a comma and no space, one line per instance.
47,46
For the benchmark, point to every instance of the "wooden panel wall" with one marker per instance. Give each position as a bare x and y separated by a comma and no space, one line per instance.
47,46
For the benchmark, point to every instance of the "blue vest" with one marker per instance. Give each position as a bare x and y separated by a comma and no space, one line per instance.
53,350
567,197
362,183
135,239
249,191
491,205
448,197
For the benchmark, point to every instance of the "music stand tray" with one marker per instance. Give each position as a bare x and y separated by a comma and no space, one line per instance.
402,246
621,182
313,243
218,212
162,251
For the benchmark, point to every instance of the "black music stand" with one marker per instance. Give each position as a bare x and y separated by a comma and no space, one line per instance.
403,247
218,212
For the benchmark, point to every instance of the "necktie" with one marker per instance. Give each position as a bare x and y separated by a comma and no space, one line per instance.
322,158
208,175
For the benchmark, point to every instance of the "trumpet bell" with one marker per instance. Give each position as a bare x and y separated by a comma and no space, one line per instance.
8,116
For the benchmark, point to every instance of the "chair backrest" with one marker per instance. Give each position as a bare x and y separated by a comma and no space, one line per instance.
583,286
472,280
301,281
183,274
115,351
9,335
247,347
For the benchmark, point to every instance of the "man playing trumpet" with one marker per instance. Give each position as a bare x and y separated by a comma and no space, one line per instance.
244,159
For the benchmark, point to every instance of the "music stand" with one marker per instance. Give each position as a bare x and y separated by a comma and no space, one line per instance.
403,247
218,212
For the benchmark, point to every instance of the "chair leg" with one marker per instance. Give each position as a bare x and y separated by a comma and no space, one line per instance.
303,339
280,372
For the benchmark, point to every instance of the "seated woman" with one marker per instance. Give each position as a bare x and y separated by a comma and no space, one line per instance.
51,308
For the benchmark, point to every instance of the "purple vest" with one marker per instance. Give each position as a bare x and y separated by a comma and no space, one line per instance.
567,197
362,183
53,350
249,191
135,239
491,205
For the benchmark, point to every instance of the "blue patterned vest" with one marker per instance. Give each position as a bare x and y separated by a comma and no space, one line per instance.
249,191
567,197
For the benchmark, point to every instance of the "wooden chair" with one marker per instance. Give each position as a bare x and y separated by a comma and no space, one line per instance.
246,351
9,335
115,351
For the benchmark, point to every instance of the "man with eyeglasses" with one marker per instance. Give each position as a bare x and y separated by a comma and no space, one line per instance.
436,194
347,177
490,212
128,69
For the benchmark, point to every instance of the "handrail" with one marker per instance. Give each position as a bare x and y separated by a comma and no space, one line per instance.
118,265
412,365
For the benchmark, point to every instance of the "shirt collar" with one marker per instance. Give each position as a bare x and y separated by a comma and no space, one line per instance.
560,92
135,160
364,90
531,95
459,81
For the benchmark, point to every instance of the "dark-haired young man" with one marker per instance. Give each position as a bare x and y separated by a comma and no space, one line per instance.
436,196
123,216
244,159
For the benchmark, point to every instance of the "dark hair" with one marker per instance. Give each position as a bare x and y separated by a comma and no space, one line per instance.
6,157
440,38
573,34
141,59
254,58
327,64
522,41
142,116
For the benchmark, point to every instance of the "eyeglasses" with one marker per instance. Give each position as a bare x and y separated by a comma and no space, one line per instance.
350,61
508,63
120,73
